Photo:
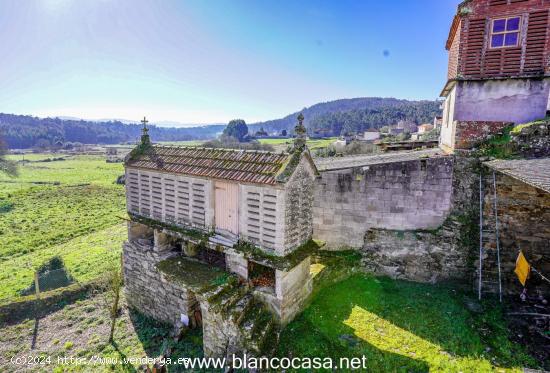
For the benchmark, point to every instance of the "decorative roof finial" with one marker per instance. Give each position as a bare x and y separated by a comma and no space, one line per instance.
300,132
145,140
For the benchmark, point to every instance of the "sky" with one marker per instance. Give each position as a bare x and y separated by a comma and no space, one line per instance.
198,61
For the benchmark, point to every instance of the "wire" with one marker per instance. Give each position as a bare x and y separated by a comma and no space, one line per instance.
540,274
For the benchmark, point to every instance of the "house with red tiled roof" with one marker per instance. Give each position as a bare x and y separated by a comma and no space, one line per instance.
499,69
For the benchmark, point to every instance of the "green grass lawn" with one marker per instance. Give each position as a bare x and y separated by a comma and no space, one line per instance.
312,144
182,143
68,208
402,326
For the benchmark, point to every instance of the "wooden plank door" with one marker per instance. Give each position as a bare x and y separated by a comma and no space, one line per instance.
226,206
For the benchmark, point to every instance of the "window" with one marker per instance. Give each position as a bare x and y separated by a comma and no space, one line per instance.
505,32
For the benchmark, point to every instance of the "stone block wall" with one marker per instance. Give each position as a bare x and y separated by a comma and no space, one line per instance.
402,245
524,223
148,290
221,335
402,196
293,288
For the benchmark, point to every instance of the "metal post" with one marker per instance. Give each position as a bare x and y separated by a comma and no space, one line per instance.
480,231
496,234
36,285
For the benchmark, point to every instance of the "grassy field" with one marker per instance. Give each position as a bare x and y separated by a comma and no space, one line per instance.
182,143
67,207
282,144
278,144
402,326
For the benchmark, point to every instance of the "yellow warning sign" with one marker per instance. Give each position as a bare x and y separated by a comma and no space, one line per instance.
522,268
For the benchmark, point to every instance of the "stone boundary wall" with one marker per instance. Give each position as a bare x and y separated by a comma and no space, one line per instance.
148,290
404,195
409,220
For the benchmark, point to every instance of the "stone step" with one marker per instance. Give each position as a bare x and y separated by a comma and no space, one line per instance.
222,240
270,340
230,298
217,293
241,307
262,323
250,316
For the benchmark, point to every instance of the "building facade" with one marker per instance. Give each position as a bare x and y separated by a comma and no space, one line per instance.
499,68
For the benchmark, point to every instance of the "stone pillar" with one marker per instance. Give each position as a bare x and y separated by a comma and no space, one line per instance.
163,242
137,231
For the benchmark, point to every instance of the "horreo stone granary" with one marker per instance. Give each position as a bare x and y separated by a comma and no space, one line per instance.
238,219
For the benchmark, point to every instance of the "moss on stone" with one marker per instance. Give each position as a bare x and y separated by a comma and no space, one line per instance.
283,263
517,129
290,165
498,146
193,274
189,232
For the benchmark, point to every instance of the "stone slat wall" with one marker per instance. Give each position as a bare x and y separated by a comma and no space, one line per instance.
261,219
401,196
170,198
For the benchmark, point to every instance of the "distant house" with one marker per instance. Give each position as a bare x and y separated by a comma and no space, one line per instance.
370,135
407,126
339,145
394,131
426,127
437,122
499,68
117,153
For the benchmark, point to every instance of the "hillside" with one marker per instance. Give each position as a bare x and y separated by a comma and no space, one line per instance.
334,118
23,131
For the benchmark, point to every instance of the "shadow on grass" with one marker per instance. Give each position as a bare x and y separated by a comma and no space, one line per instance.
400,325
126,367
51,275
154,335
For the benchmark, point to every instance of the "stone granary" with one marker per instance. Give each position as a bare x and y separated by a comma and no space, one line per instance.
199,216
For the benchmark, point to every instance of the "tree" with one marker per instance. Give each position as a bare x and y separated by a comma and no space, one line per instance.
283,133
236,128
7,166
261,132
108,290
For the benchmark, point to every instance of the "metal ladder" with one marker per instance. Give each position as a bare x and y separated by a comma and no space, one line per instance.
488,277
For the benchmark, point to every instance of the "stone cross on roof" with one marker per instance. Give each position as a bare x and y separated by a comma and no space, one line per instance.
144,132
300,132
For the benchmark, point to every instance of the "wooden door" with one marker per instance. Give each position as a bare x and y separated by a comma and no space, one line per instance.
226,207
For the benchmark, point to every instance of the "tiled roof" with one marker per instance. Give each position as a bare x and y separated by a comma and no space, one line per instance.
339,163
535,172
228,164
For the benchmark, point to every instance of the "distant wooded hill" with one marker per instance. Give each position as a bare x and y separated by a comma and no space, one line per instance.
332,118
22,131
354,115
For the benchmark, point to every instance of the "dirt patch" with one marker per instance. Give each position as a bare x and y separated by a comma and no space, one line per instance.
528,318
81,330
